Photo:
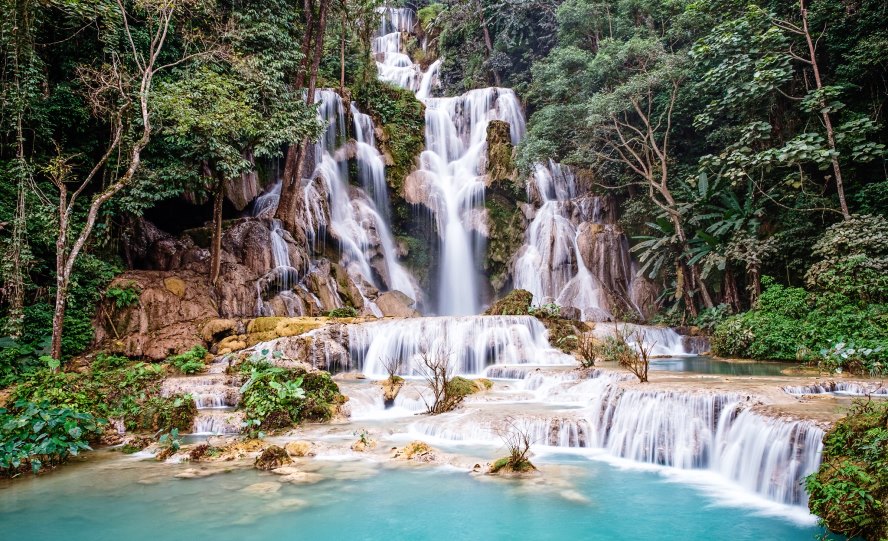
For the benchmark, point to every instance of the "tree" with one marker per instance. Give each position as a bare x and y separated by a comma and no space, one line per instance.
122,91
313,48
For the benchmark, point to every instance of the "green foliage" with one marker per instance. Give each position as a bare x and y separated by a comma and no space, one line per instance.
123,295
853,260
849,492
108,361
402,118
545,311
710,318
38,435
273,397
190,362
129,393
792,324
516,303
345,311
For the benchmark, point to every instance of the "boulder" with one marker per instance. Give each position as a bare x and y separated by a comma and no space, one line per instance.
396,304
299,449
272,458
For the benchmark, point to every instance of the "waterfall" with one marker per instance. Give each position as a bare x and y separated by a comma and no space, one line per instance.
663,341
455,137
838,387
471,344
215,395
550,264
685,430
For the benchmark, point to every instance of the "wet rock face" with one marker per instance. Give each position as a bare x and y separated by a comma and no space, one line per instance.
252,282
164,321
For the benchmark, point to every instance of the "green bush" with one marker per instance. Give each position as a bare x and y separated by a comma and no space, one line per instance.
130,393
275,397
790,323
345,311
709,318
41,436
190,362
849,492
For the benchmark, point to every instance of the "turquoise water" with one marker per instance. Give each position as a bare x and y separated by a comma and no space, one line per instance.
576,499
708,365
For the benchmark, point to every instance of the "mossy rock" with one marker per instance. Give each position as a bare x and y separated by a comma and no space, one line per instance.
500,162
215,330
297,325
252,339
272,458
460,386
508,465
263,324
230,344
174,285
299,449
418,451
483,384
515,303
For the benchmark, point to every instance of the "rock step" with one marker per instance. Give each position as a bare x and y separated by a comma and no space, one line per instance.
218,421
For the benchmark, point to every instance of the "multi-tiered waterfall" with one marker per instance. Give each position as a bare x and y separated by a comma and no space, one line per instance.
452,164
356,219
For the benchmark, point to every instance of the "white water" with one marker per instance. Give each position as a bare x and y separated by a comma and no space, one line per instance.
662,341
456,140
550,265
838,387
471,344
682,430
215,395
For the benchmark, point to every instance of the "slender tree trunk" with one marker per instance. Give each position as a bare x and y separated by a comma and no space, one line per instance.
342,56
58,316
216,250
827,122
308,7
488,43
286,210
731,296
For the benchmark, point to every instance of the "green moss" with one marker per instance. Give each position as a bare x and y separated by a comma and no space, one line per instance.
512,465
850,490
167,413
506,235
515,303
402,118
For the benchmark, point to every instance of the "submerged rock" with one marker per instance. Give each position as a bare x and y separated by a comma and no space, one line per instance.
272,458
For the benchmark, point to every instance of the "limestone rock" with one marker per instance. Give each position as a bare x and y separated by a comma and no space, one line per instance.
272,458
396,304
299,449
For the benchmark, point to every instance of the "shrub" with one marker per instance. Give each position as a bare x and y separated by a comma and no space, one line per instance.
789,323
130,393
190,362
709,318
41,436
345,311
849,492
107,361
854,260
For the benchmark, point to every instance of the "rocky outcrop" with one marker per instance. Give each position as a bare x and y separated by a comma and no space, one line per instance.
396,304
168,319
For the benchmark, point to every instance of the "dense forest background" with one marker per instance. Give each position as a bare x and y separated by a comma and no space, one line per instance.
744,141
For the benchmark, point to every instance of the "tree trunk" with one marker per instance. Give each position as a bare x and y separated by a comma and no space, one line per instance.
342,56
58,316
286,210
731,296
488,43
827,122
216,249
308,7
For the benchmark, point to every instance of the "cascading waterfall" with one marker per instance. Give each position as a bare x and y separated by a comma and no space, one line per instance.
345,212
550,265
455,134
471,344
838,387
720,433
662,341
